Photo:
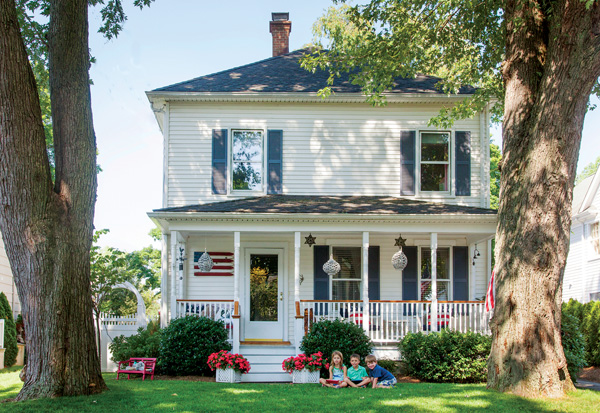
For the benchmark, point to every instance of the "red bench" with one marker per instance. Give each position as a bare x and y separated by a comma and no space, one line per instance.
149,364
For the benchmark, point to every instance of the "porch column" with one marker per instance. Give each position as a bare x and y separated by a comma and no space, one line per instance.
236,292
366,319
298,320
434,301
164,277
173,275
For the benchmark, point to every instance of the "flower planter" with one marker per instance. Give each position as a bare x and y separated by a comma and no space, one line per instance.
305,376
228,376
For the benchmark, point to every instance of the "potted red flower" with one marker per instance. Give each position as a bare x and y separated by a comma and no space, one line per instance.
305,369
230,367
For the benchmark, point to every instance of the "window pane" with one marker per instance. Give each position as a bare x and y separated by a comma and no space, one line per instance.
247,146
247,175
345,290
443,288
443,263
263,287
434,146
595,237
349,260
434,177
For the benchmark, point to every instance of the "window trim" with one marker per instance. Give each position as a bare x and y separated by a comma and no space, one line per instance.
263,163
362,276
450,279
434,194
594,253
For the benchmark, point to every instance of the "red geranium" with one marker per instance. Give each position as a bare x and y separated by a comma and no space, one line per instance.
313,362
224,359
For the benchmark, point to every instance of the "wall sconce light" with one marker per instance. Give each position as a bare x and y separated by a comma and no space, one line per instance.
301,278
476,254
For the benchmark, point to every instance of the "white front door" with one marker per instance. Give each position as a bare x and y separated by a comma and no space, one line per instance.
264,309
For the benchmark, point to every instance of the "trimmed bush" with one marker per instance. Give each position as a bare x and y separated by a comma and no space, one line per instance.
589,321
327,336
10,332
145,343
573,344
448,356
187,342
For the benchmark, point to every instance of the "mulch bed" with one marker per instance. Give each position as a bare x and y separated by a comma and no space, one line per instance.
590,374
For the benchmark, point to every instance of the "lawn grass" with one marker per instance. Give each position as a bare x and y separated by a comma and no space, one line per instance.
188,396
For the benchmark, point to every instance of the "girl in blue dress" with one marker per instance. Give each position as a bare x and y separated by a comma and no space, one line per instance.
337,372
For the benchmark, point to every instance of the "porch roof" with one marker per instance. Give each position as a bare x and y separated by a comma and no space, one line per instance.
308,204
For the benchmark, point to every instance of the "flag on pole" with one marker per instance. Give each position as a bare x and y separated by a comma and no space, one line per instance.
490,297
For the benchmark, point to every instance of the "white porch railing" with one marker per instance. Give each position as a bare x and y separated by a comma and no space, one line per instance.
218,310
114,320
390,321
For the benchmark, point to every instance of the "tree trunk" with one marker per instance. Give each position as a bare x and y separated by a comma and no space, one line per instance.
48,230
552,62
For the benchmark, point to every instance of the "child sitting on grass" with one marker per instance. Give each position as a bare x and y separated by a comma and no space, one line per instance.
357,375
380,377
337,372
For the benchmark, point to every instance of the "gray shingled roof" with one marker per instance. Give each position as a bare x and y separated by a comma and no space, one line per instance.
284,74
579,193
305,204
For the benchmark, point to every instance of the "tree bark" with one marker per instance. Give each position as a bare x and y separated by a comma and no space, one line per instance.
48,229
552,63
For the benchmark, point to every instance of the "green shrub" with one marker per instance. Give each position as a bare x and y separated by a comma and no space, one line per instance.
390,365
573,344
448,356
327,336
10,332
589,321
187,342
145,343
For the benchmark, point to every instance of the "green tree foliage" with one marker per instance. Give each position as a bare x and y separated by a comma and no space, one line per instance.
448,356
573,343
10,332
588,316
589,170
187,342
495,159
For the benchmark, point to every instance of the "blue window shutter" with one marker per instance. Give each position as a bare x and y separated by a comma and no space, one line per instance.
374,283
461,273
321,282
408,143
274,161
462,168
219,161
410,275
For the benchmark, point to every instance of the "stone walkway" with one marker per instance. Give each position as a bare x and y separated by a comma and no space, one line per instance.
582,384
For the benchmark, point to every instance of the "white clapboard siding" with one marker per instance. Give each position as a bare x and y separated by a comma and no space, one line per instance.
574,280
6,281
328,149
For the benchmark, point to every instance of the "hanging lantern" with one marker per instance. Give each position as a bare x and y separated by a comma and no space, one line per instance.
205,263
331,267
399,260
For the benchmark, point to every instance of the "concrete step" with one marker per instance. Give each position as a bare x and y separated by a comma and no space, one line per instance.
280,377
265,362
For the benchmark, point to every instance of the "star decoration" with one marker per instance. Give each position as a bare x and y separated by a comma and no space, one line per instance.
400,242
310,240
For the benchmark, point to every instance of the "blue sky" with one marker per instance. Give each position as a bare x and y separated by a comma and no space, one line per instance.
173,41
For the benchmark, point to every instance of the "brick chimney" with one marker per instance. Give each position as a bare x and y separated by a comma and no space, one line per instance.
280,27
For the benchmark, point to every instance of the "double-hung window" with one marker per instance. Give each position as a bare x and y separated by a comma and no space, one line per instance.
442,272
435,162
247,160
346,284
595,238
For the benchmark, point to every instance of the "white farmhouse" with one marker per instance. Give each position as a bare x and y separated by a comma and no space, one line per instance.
258,168
7,285
582,273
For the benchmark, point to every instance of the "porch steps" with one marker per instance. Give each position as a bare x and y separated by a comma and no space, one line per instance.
265,362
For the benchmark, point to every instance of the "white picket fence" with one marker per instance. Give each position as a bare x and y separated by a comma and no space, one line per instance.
112,326
390,321
2,334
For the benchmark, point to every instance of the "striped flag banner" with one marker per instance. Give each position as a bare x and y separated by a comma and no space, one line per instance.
490,297
223,264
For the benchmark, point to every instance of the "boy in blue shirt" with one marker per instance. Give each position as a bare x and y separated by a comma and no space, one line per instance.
357,375
380,377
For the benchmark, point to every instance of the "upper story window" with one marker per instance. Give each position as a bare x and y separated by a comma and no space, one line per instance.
247,160
442,274
595,238
345,285
435,161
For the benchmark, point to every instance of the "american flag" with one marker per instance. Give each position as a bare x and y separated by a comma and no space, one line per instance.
490,297
223,264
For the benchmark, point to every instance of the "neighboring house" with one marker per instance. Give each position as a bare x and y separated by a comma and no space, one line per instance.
582,272
7,285
256,165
